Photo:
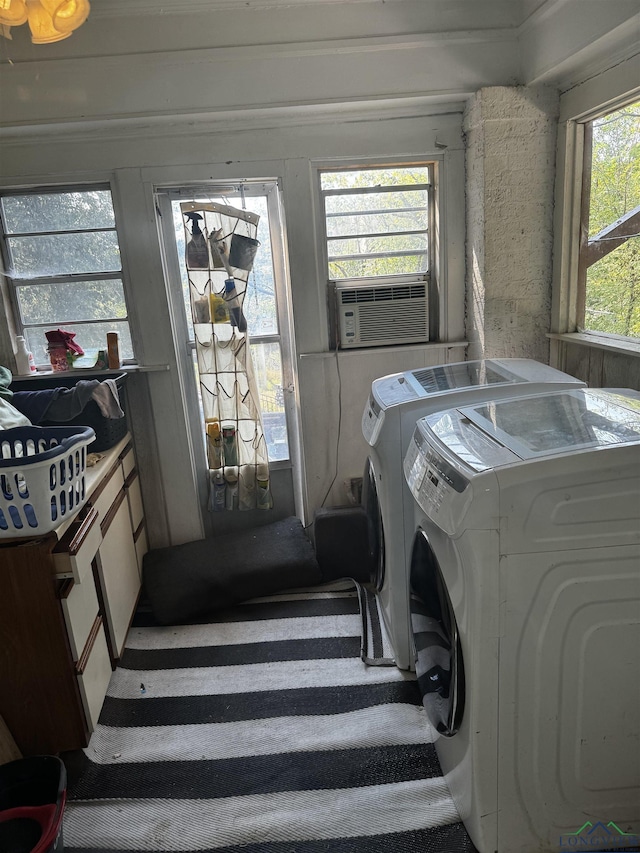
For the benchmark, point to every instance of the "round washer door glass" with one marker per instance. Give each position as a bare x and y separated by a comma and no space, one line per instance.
439,666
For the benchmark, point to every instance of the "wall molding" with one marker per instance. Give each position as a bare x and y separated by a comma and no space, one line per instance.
126,8
232,121
281,50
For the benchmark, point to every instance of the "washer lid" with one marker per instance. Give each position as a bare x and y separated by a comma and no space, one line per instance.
398,388
425,382
429,381
501,432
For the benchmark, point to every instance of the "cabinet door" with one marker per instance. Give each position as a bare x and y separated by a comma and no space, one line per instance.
94,672
134,496
118,572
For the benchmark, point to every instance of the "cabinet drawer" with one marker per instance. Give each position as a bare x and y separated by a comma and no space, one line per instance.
108,493
134,496
74,553
94,672
80,609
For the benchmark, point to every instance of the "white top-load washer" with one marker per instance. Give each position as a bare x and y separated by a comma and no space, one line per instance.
525,607
395,404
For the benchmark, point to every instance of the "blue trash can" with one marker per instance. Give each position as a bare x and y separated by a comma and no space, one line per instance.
33,792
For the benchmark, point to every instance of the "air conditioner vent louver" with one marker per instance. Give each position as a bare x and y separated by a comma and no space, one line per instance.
382,315
382,294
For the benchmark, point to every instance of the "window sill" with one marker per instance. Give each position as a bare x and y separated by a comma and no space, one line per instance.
86,372
367,352
617,345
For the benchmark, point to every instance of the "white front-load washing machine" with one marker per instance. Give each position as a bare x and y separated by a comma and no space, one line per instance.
394,405
525,608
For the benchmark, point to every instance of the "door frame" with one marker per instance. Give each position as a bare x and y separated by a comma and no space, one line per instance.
270,189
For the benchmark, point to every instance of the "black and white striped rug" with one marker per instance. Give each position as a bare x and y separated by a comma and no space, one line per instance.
375,646
261,732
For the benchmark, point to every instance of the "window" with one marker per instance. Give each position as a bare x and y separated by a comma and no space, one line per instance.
377,221
62,260
609,262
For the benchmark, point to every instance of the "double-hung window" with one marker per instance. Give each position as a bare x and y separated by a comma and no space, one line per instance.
609,255
62,261
376,221
378,241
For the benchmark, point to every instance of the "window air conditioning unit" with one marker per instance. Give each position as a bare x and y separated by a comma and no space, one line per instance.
382,314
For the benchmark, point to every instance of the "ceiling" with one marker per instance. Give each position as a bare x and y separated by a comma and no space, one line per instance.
157,59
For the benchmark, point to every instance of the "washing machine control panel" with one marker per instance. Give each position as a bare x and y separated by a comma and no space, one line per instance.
439,489
385,392
372,420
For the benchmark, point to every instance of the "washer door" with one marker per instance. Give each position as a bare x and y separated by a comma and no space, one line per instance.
375,529
439,665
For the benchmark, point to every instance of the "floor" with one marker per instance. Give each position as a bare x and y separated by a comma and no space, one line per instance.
261,731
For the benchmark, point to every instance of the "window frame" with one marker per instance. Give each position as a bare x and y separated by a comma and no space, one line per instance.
13,283
359,166
435,278
571,235
270,189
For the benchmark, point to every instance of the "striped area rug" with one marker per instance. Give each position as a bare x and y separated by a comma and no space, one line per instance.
375,646
261,732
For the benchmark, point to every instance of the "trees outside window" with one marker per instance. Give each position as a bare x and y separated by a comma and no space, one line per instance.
61,257
377,221
609,267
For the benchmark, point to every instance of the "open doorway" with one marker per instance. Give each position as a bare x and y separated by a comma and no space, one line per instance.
266,307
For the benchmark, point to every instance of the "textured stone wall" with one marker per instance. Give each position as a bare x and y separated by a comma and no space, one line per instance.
510,161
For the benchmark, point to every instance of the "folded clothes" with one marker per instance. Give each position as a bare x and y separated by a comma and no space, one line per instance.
34,404
65,404
70,402
108,400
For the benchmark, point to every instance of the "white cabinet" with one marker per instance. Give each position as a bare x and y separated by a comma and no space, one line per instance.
118,571
94,673
66,603
118,502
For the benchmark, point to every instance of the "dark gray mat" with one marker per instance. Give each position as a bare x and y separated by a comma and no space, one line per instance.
186,581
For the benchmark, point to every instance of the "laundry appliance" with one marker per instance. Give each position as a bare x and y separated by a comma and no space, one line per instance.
525,611
394,405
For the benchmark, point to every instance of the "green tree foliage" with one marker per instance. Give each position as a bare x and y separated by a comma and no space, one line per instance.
613,282
57,243
377,233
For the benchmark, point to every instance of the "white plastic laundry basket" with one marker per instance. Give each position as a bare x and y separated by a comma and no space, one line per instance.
42,478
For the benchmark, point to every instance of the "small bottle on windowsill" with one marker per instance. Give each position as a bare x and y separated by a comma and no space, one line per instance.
24,358
113,351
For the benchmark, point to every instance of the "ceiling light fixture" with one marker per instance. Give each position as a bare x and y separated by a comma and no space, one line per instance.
49,20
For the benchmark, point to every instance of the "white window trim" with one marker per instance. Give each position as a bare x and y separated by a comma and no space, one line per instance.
436,275
271,189
566,293
9,296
